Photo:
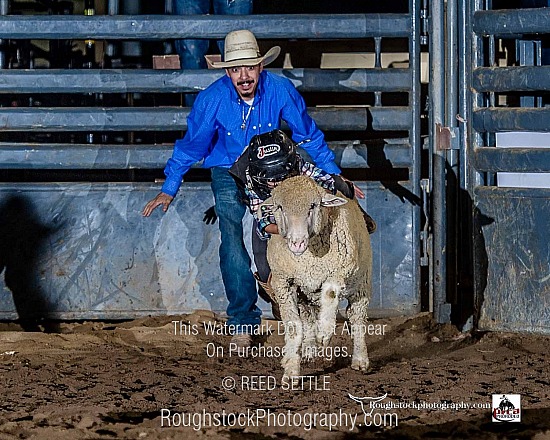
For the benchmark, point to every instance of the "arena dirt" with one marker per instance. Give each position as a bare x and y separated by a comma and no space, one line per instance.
97,380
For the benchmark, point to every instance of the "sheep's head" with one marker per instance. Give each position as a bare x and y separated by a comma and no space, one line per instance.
297,205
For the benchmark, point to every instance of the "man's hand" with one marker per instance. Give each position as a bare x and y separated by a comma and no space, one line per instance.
161,199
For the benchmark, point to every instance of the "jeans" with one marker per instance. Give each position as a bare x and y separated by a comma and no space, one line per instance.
192,52
240,285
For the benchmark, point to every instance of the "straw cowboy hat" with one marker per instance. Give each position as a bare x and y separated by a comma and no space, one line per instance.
241,49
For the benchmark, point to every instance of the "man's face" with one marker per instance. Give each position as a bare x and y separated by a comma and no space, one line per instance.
245,79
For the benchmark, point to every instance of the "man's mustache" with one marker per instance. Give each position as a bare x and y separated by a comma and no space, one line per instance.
240,83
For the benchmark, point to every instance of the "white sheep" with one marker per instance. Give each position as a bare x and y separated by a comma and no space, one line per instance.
321,255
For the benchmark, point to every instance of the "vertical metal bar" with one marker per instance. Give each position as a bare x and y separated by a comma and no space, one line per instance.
113,7
451,175
168,7
130,102
464,198
424,23
378,65
437,117
131,48
451,97
473,141
490,138
526,58
110,50
377,52
492,63
414,134
464,75
529,55
478,100
538,62
4,10
471,52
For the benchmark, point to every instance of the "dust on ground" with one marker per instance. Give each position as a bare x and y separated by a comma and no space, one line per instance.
125,380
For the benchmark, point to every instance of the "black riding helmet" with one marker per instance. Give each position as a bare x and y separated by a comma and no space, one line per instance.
272,157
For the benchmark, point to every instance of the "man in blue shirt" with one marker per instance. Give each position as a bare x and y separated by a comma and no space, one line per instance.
245,102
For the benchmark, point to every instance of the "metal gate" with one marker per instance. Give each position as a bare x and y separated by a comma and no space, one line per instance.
492,120
82,250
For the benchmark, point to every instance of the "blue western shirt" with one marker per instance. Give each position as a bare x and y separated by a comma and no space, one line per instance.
215,130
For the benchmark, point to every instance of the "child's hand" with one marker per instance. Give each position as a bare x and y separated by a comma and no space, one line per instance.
210,216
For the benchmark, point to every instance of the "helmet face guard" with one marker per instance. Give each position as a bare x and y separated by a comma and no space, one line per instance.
272,158
263,185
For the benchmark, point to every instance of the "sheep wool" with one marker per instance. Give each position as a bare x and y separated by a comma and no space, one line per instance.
321,255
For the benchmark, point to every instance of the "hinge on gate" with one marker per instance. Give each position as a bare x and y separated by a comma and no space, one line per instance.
424,13
425,234
446,138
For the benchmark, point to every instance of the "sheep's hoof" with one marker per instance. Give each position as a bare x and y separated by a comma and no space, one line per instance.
291,366
360,364
309,350
324,340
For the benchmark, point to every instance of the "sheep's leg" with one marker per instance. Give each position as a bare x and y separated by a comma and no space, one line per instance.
287,298
309,322
330,293
357,313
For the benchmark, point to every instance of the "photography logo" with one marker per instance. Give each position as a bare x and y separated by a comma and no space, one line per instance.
506,408
366,403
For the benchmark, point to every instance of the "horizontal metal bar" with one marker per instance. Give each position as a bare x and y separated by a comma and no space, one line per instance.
494,192
173,81
92,119
512,21
349,154
83,156
175,118
106,81
161,27
505,79
511,119
520,160
369,118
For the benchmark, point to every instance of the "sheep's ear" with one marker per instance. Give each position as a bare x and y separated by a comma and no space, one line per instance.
331,201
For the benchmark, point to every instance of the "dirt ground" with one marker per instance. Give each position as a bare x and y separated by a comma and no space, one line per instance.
136,380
